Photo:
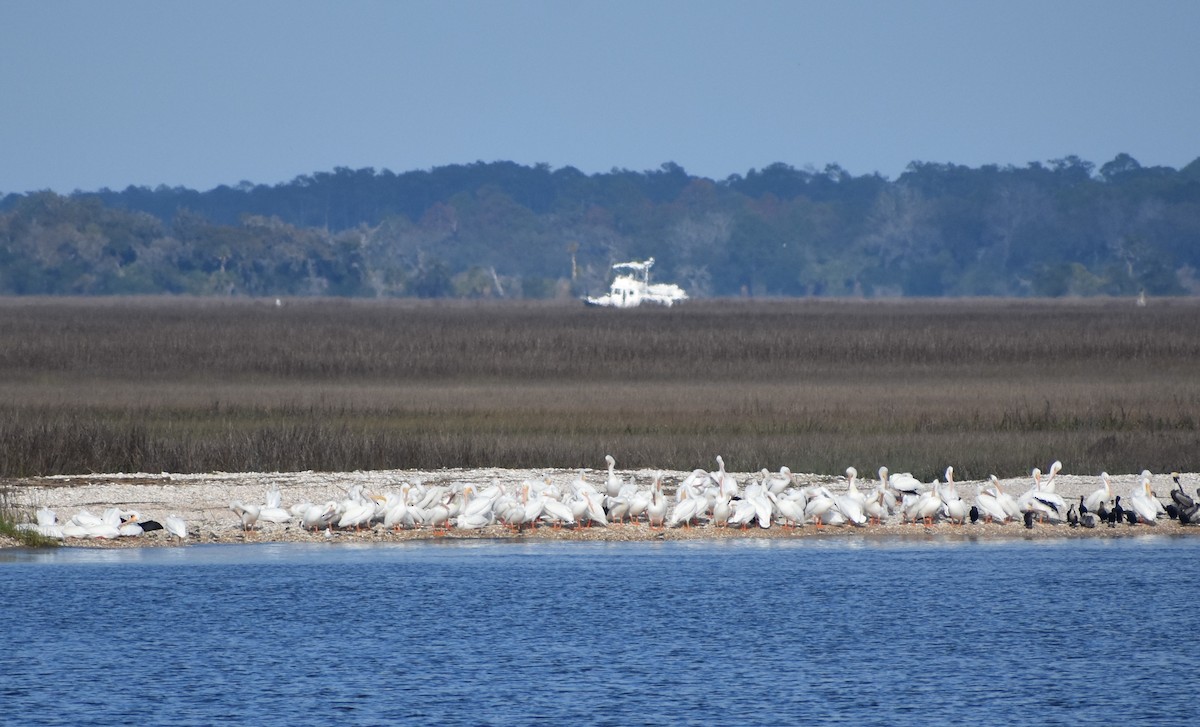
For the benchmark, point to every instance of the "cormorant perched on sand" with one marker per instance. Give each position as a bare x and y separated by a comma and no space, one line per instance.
1117,514
1088,520
1029,516
1072,518
974,513
1082,507
1131,517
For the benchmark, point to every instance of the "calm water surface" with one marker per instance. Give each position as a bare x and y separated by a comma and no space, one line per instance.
746,632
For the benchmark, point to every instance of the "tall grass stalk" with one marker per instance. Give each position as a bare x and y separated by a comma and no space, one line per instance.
988,386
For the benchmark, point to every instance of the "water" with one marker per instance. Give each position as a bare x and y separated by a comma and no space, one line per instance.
746,632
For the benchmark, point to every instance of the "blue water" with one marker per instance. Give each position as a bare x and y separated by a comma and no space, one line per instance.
745,632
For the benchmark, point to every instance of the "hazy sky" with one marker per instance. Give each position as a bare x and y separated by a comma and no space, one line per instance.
113,93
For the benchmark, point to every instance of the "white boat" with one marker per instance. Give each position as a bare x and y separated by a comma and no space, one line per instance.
631,289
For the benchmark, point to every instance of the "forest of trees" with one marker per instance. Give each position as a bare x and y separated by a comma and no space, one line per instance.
501,229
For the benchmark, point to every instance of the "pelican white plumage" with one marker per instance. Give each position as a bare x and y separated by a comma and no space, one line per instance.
1045,505
638,503
692,482
722,509
763,507
1048,485
656,509
277,515
272,510
742,514
791,511
988,502
46,526
534,503
1158,506
689,508
612,485
248,514
617,508
1006,501
726,483
777,483
1143,502
318,517
876,507
558,513
131,527
356,513
176,526
1100,495
905,483
820,502
925,507
594,512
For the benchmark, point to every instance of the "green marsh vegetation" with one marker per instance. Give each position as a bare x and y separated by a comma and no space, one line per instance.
989,386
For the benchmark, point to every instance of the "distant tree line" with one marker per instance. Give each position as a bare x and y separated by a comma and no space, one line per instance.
505,230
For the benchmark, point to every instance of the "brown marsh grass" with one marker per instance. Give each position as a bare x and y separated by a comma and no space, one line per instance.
102,385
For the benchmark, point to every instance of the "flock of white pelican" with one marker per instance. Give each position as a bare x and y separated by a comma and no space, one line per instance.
714,499
113,523
701,499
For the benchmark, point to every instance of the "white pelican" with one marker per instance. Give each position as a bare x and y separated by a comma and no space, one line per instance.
617,508
692,482
1143,502
594,512
988,502
558,513
656,509
790,511
247,513
356,513
762,504
725,482
175,525
876,507
820,502
613,484
438,516
272,510
638,503
925,507
687,509
777,484
396,516
852,509
1007,502
1101,495
1158,506
1035,502
956,509
722,509
742,515
904,483
535,504
46,526
131,527
1048,485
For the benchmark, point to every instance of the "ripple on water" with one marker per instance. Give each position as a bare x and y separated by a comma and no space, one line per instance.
758,632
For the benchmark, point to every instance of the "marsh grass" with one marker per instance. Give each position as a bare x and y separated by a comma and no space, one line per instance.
990,387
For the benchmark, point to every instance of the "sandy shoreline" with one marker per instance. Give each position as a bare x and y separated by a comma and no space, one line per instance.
203,501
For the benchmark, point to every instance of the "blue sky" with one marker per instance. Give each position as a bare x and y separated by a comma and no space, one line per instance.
120,92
